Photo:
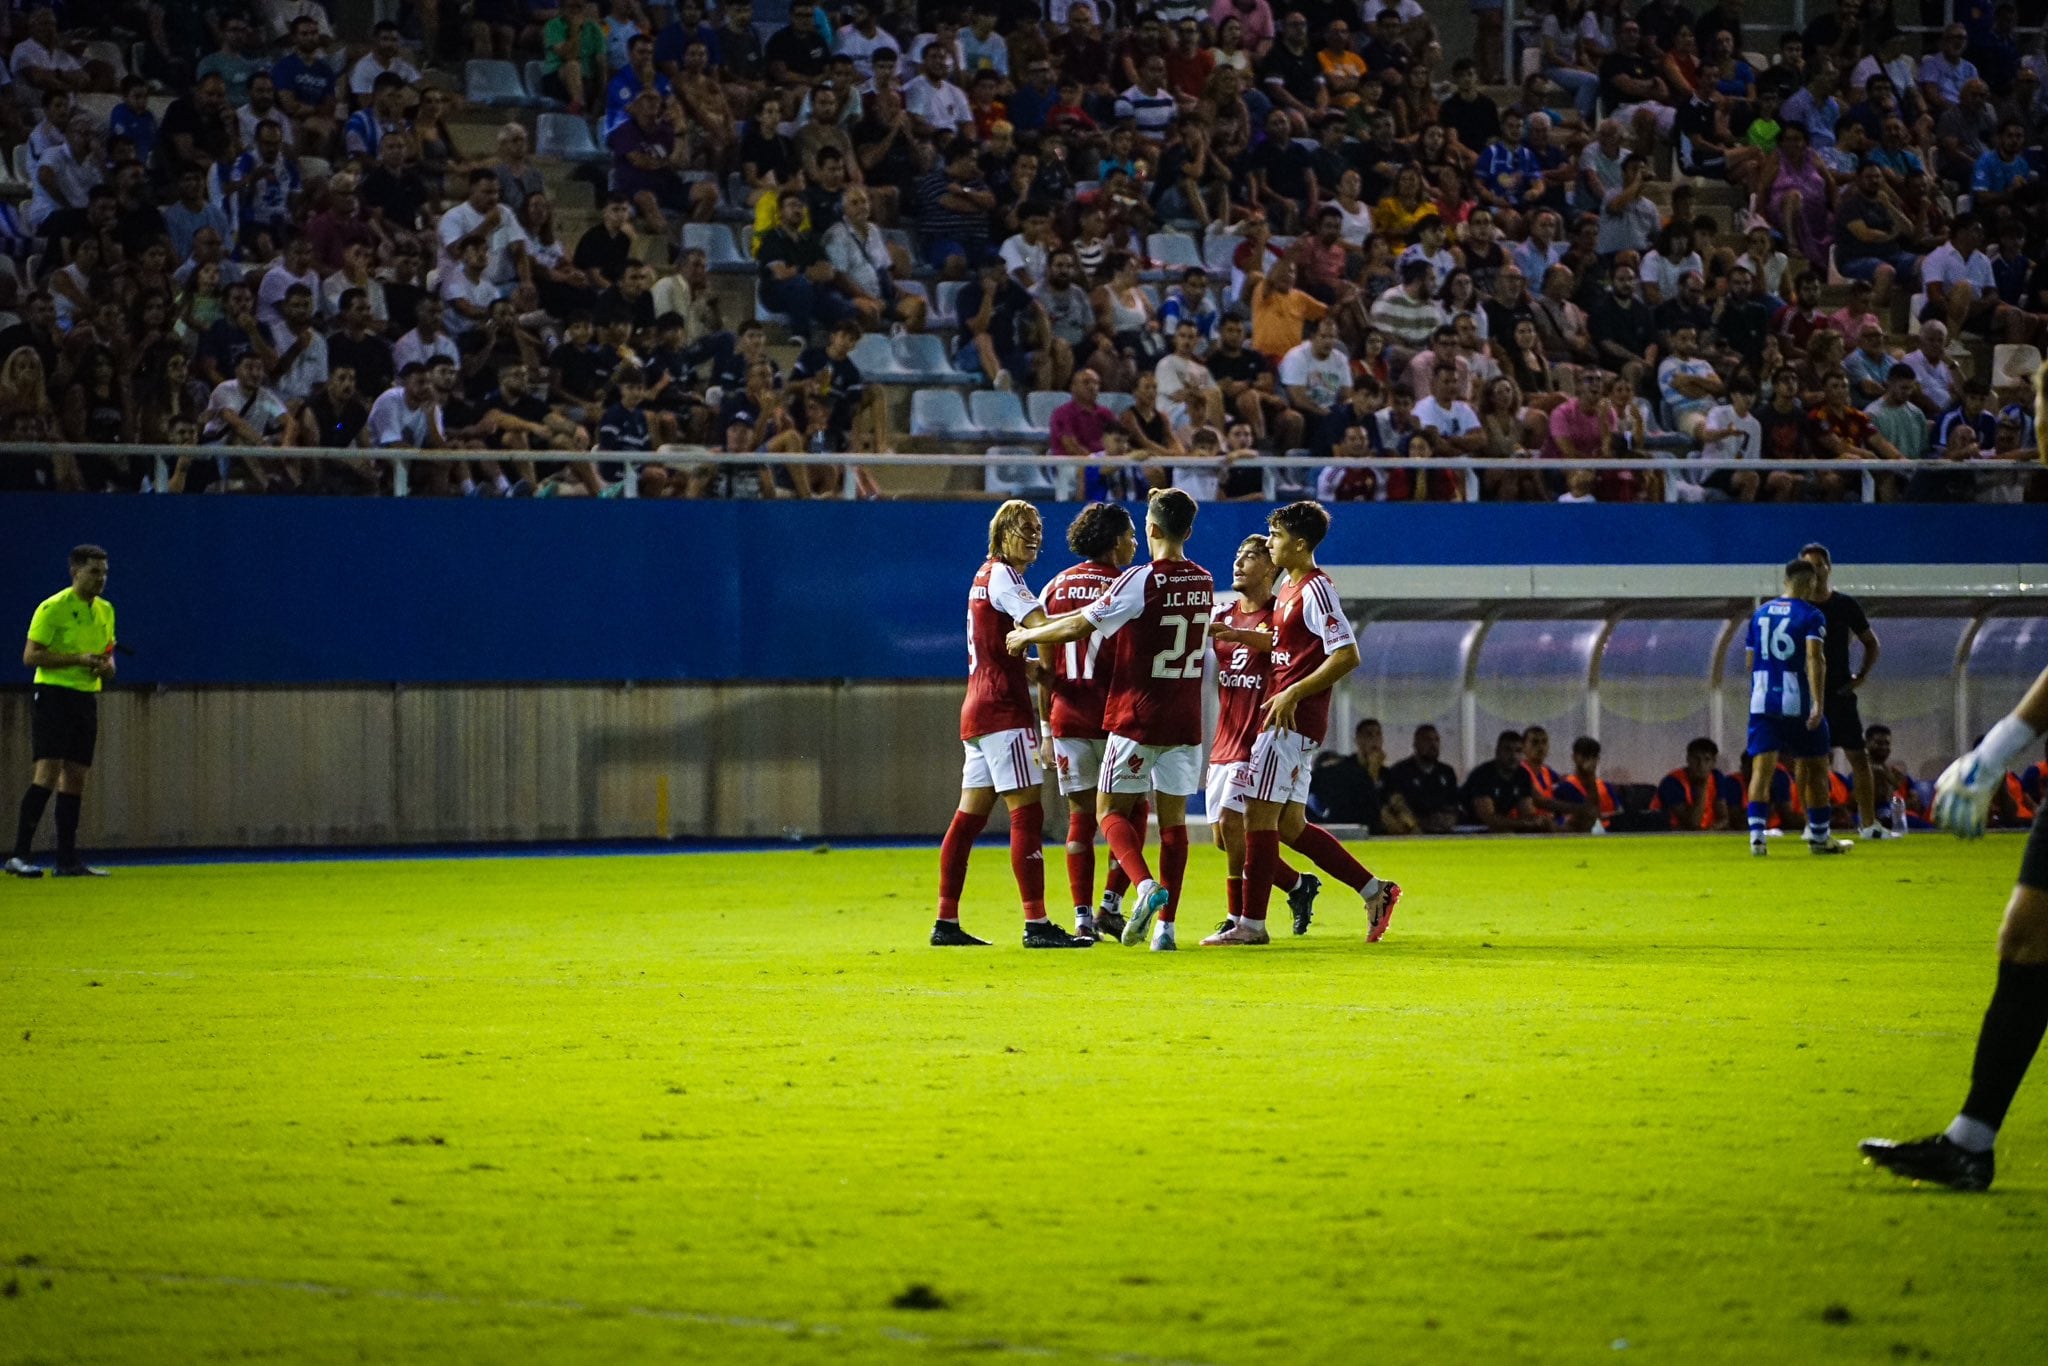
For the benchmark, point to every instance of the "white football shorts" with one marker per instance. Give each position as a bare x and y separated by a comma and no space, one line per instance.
1281,765
1226,788
1128,766
1079,763
1006,760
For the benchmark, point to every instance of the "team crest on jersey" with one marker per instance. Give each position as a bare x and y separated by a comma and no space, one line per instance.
1159,580
1137,762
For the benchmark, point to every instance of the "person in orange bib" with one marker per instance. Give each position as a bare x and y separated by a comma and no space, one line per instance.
1591,798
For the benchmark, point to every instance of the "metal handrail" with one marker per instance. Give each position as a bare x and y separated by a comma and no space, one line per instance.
1470,466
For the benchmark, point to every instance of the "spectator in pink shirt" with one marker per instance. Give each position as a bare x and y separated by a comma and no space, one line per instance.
1579,426
1255,15
1078,424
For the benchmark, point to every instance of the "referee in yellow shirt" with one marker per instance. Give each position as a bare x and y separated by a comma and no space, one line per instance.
71,648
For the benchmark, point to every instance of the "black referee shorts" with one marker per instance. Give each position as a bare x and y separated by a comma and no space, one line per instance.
1845,720
2034,863
64,723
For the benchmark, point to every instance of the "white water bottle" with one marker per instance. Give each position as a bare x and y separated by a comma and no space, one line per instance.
1898,815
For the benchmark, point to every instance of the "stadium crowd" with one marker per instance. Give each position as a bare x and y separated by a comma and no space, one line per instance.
1255,229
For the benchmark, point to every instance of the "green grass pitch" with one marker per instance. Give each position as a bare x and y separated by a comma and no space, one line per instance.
1589,1100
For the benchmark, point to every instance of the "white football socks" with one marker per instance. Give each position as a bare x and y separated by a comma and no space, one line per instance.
1971,1135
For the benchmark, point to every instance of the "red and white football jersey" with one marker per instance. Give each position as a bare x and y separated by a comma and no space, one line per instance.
1240,685
1080,668
1309,625
998,694
1161,611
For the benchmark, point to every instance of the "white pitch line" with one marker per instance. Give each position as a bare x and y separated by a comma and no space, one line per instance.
658,1313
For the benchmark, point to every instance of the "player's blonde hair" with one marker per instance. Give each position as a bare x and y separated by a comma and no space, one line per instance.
1009,518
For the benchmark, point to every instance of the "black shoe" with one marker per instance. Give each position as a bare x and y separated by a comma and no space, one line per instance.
1109,925
948,934
1933,1159
1050,934
76,870
1302,901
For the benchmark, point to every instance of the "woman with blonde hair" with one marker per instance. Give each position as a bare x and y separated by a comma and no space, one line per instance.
1511,430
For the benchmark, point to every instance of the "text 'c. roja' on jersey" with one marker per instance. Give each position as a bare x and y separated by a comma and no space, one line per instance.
1160,611
998,693
1309,626
1079,668
1241,674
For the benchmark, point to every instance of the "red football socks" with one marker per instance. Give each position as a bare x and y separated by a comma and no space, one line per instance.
1234,894
1261,856
1127,844
1173,866
1285,877
1081,857
1027,858
1118,881
953,853
1332,857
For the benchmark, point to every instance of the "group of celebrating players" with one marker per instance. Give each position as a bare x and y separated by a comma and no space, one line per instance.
1121,654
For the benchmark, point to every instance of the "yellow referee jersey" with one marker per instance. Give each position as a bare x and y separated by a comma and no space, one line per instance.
69,625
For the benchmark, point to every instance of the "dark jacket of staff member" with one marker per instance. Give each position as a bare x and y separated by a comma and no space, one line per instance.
71,648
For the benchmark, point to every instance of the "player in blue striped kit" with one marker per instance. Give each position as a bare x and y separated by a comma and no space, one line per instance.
1787,701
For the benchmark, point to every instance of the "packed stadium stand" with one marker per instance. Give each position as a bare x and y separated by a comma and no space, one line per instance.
1252,250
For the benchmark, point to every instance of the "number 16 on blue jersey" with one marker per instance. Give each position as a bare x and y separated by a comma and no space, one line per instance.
1778,633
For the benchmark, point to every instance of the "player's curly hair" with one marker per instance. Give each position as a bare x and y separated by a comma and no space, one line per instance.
1306,519
1009,518
1097,530
1172,511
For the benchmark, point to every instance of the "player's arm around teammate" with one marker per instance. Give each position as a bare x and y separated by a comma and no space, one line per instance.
1961,1155
71,648
1313,649
999,733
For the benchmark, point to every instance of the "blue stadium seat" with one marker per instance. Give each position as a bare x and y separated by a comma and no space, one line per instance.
1172,253
768,316
1117,403
534,95
1042,404
496,85
1001,415
944,304
1015,472
721,255
924,357
567,137
942,413
1217,250
876,360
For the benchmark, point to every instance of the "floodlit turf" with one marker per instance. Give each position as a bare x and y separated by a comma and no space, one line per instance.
1591,1099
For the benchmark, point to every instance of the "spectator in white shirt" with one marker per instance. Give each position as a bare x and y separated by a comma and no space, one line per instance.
67,173
39,61
1937,376
1183,378
301,365
403,415
1961,288
1449,416
482,216
1025,252
467,293
1731,432
935,102
295,267
384,55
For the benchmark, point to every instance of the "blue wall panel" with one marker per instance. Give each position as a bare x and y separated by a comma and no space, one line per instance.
280,590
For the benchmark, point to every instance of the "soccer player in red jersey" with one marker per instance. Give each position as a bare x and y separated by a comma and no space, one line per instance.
998,731
1074,692
1242,642
1313,647
1154,713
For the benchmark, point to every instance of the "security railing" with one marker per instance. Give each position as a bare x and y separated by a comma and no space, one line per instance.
1009,472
